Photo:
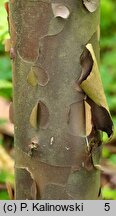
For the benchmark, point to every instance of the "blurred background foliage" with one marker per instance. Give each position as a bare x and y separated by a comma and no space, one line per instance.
108,74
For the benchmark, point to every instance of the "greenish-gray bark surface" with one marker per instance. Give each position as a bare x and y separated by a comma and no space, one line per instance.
59,104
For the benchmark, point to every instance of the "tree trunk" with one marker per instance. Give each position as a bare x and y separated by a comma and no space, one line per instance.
59,104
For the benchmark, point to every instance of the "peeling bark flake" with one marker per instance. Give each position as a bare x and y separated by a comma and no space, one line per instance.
101,119
10,191
11,113
12,54
7,45
12,30
39,116
41,74
26,188
99,194
92,86
31,78
60,10
86,62
6,5
91,5
88,117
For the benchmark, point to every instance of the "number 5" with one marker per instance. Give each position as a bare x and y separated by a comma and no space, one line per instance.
107,207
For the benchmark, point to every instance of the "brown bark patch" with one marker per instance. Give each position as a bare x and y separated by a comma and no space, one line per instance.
30,15
76,122
54,192
26,186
